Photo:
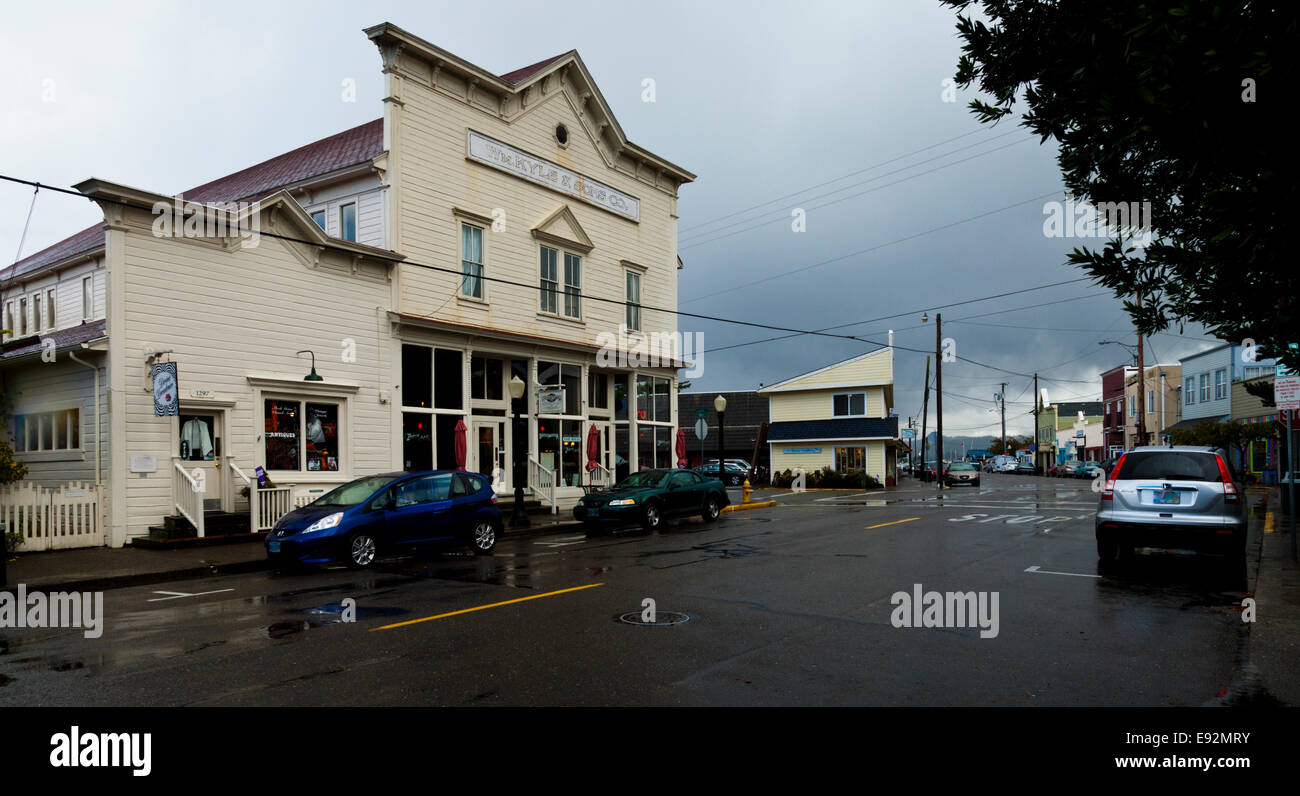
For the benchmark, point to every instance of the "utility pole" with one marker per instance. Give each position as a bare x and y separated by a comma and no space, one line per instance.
938,396
1142,387
1002,399
925,410
1037,442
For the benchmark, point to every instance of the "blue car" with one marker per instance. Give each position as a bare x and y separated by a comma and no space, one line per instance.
394,512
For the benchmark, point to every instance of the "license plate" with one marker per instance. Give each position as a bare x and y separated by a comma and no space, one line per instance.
274,547
1168,497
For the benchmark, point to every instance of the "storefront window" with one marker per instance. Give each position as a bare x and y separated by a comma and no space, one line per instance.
417,376
417,441
571,452
485,379
447,385
322,437
620,397
281,434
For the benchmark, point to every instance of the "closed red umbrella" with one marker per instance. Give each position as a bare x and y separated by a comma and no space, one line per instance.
593,447
461,447
681,447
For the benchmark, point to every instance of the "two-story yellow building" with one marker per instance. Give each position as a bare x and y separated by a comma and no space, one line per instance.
838,417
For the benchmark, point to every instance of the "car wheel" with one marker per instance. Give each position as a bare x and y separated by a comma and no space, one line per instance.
1108,549
485,537
361,550
735,480
651,519
711,510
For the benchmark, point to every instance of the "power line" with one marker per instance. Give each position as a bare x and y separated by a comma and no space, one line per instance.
837,179
701,238
870,249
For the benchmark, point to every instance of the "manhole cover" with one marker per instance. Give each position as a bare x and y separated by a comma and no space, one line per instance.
662,619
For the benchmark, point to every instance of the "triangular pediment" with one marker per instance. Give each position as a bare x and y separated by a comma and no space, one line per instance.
561,228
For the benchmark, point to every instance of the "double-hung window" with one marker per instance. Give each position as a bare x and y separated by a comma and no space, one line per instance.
550,282
1189,391
51,318
1205,387
471,261
1220,384
572,285
633,301
22,317
87,297
36,310
348,221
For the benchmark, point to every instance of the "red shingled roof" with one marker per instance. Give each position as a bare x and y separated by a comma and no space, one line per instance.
339,151
520,75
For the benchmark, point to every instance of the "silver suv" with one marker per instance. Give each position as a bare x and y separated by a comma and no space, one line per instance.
1181,497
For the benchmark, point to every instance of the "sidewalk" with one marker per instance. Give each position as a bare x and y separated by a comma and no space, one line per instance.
103,568
1273,659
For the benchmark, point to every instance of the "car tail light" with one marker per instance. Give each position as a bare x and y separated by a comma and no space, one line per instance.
1229,488
494,498
1109,492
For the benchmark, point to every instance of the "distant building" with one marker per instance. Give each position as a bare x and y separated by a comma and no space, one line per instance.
746,413
1207,380
1112,399
838,417
1160,404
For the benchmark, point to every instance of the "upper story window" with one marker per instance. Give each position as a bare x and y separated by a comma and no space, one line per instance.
550,283
1189,391
36,311
51,316
1220,384
22,317
1151,400
319,217
471,261
9,319
1205,387
633,281
1252,372
572,285
87,297
849,404
348,221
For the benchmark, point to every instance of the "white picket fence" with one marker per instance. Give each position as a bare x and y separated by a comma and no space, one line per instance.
52,518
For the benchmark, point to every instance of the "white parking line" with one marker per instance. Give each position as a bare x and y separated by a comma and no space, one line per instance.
1038,571
176,595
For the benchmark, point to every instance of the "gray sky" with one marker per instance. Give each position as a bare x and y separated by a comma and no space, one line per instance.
761,100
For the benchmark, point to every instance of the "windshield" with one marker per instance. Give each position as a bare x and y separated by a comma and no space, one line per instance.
354,492
645,478
961,466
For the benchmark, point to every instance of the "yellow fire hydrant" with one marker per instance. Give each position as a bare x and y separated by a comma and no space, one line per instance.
745,491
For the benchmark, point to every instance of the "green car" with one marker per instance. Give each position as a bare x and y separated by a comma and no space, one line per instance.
649,497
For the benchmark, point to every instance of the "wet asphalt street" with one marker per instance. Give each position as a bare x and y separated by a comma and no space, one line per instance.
784,606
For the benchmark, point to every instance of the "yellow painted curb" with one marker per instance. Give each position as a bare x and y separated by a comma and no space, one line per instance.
762,504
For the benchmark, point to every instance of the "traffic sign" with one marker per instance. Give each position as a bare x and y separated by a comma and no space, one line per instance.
1286,392
701,429
701,413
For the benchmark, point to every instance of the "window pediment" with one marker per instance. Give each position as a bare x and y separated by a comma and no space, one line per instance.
561,228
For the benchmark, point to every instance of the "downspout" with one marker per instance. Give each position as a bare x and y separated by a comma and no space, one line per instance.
99,481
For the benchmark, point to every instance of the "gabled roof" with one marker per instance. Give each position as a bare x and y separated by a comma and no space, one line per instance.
348,148
790,383
520,75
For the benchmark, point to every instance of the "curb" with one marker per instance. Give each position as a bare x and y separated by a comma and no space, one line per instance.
762,504
145,578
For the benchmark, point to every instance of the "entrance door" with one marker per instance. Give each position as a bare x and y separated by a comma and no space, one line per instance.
489,458
199,447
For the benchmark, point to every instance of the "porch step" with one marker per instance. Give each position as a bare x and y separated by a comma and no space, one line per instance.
151,542
215,523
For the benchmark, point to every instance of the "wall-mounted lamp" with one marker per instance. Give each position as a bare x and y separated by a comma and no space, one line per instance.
313,376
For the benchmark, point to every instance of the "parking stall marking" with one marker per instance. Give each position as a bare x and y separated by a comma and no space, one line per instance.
895,522
176,595
1035,570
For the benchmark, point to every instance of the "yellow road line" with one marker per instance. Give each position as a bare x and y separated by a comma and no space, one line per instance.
895,522
1268,522
485,607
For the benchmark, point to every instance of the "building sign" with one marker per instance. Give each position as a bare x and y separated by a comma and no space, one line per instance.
801,450
550,400
552,175
144,464
166,393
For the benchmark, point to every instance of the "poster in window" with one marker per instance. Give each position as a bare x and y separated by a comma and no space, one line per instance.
281,434
166,390
322,434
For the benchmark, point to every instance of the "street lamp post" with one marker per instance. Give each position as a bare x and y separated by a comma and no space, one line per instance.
720,405
518,518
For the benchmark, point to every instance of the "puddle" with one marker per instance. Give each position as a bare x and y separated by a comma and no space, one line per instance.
5,680
285,629
359,611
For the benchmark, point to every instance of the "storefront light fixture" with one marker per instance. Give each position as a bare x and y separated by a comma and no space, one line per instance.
720,404
313,376
516,387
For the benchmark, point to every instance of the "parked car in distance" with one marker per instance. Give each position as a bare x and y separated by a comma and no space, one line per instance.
734,474
649,497
373,516
1091,470
929,472
1179,497
1069,469
961,473
1026,467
